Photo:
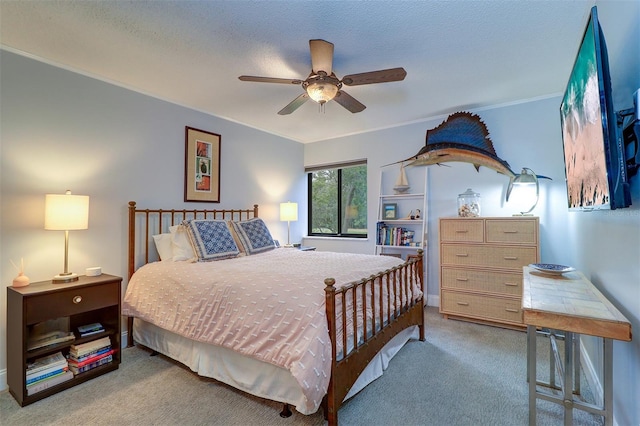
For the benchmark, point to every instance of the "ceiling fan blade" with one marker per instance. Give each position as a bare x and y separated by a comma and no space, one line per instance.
294,104
269,79
321,56
382,76
349,102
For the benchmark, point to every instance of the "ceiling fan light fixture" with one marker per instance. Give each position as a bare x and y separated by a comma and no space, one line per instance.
322,92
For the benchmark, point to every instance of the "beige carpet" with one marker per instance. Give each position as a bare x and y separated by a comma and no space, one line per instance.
464,374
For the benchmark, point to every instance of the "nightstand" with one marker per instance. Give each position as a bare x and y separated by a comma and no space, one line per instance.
306,248
68,306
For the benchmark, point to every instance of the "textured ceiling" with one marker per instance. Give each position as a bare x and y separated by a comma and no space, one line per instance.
458,55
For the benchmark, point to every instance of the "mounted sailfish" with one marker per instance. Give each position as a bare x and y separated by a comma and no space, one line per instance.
462,137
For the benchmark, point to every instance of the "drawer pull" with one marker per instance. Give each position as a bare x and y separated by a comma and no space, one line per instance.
511,310
462,255
77,299
510,232
511,258
511,284
462,231
462,279
463,303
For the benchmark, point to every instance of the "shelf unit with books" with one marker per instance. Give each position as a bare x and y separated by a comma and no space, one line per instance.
402,214
45,310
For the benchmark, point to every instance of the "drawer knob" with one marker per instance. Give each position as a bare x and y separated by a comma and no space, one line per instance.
77,299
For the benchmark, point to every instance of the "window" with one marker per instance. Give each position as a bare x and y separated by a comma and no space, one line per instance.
338,200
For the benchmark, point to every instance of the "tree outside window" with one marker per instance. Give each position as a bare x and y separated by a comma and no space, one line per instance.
338,201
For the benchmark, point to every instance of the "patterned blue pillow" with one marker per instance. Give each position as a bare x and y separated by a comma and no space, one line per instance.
211,239
254,235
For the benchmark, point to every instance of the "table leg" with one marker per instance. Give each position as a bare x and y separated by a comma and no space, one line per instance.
531,369
568,378
576,356
608,382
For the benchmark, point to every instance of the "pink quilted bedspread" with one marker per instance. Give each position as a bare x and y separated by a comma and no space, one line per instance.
269,306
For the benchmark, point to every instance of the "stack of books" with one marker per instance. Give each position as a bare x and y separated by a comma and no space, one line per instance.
46,372
87,356
89,329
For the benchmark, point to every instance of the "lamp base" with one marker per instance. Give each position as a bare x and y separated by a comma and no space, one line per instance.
65,278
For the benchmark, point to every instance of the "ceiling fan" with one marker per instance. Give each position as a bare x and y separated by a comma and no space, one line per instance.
322,85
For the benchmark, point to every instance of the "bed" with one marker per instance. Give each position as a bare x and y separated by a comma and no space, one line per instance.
304,328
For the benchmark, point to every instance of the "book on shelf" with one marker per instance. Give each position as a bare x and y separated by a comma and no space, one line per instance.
82,368
89,329
38,374
77,363
43,376
50,338
394,235
90,354
85,348
46,362
50,382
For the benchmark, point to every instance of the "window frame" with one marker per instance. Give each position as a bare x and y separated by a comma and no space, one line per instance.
339,167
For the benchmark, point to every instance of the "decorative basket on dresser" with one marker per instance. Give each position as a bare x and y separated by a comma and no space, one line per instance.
481,262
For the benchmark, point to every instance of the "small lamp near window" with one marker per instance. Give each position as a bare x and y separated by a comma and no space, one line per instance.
524,191
66,213
288,213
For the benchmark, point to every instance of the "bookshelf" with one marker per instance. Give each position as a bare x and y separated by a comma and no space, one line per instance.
397,233
41,307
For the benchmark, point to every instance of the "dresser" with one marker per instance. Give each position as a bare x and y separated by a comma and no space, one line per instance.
481,262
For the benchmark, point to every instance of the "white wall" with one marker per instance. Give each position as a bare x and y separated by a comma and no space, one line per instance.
604,245
61,130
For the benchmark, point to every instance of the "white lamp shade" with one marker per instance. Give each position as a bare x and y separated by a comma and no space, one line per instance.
288,212
66,212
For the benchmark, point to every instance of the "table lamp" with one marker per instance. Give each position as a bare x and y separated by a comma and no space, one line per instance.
66,213
288,213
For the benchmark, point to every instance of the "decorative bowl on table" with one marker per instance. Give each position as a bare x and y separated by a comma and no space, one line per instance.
551,268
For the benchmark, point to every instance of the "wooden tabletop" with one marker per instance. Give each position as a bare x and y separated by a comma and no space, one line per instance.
570,302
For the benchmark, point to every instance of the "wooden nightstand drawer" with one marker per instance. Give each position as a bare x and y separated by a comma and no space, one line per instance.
469,230
511,231
507,283
72,301
506,257
482,306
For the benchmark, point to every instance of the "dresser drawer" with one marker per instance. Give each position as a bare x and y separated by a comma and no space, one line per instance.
507,257
70,302
506,283
468,230
512,231
481,306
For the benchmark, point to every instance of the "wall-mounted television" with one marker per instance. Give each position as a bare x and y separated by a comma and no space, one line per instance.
594,158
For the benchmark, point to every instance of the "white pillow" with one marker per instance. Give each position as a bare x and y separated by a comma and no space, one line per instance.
180,244
163,246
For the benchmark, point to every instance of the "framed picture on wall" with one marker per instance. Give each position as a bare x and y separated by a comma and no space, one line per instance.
390,211
201,166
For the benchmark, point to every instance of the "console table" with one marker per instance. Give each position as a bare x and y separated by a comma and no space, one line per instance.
569,303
